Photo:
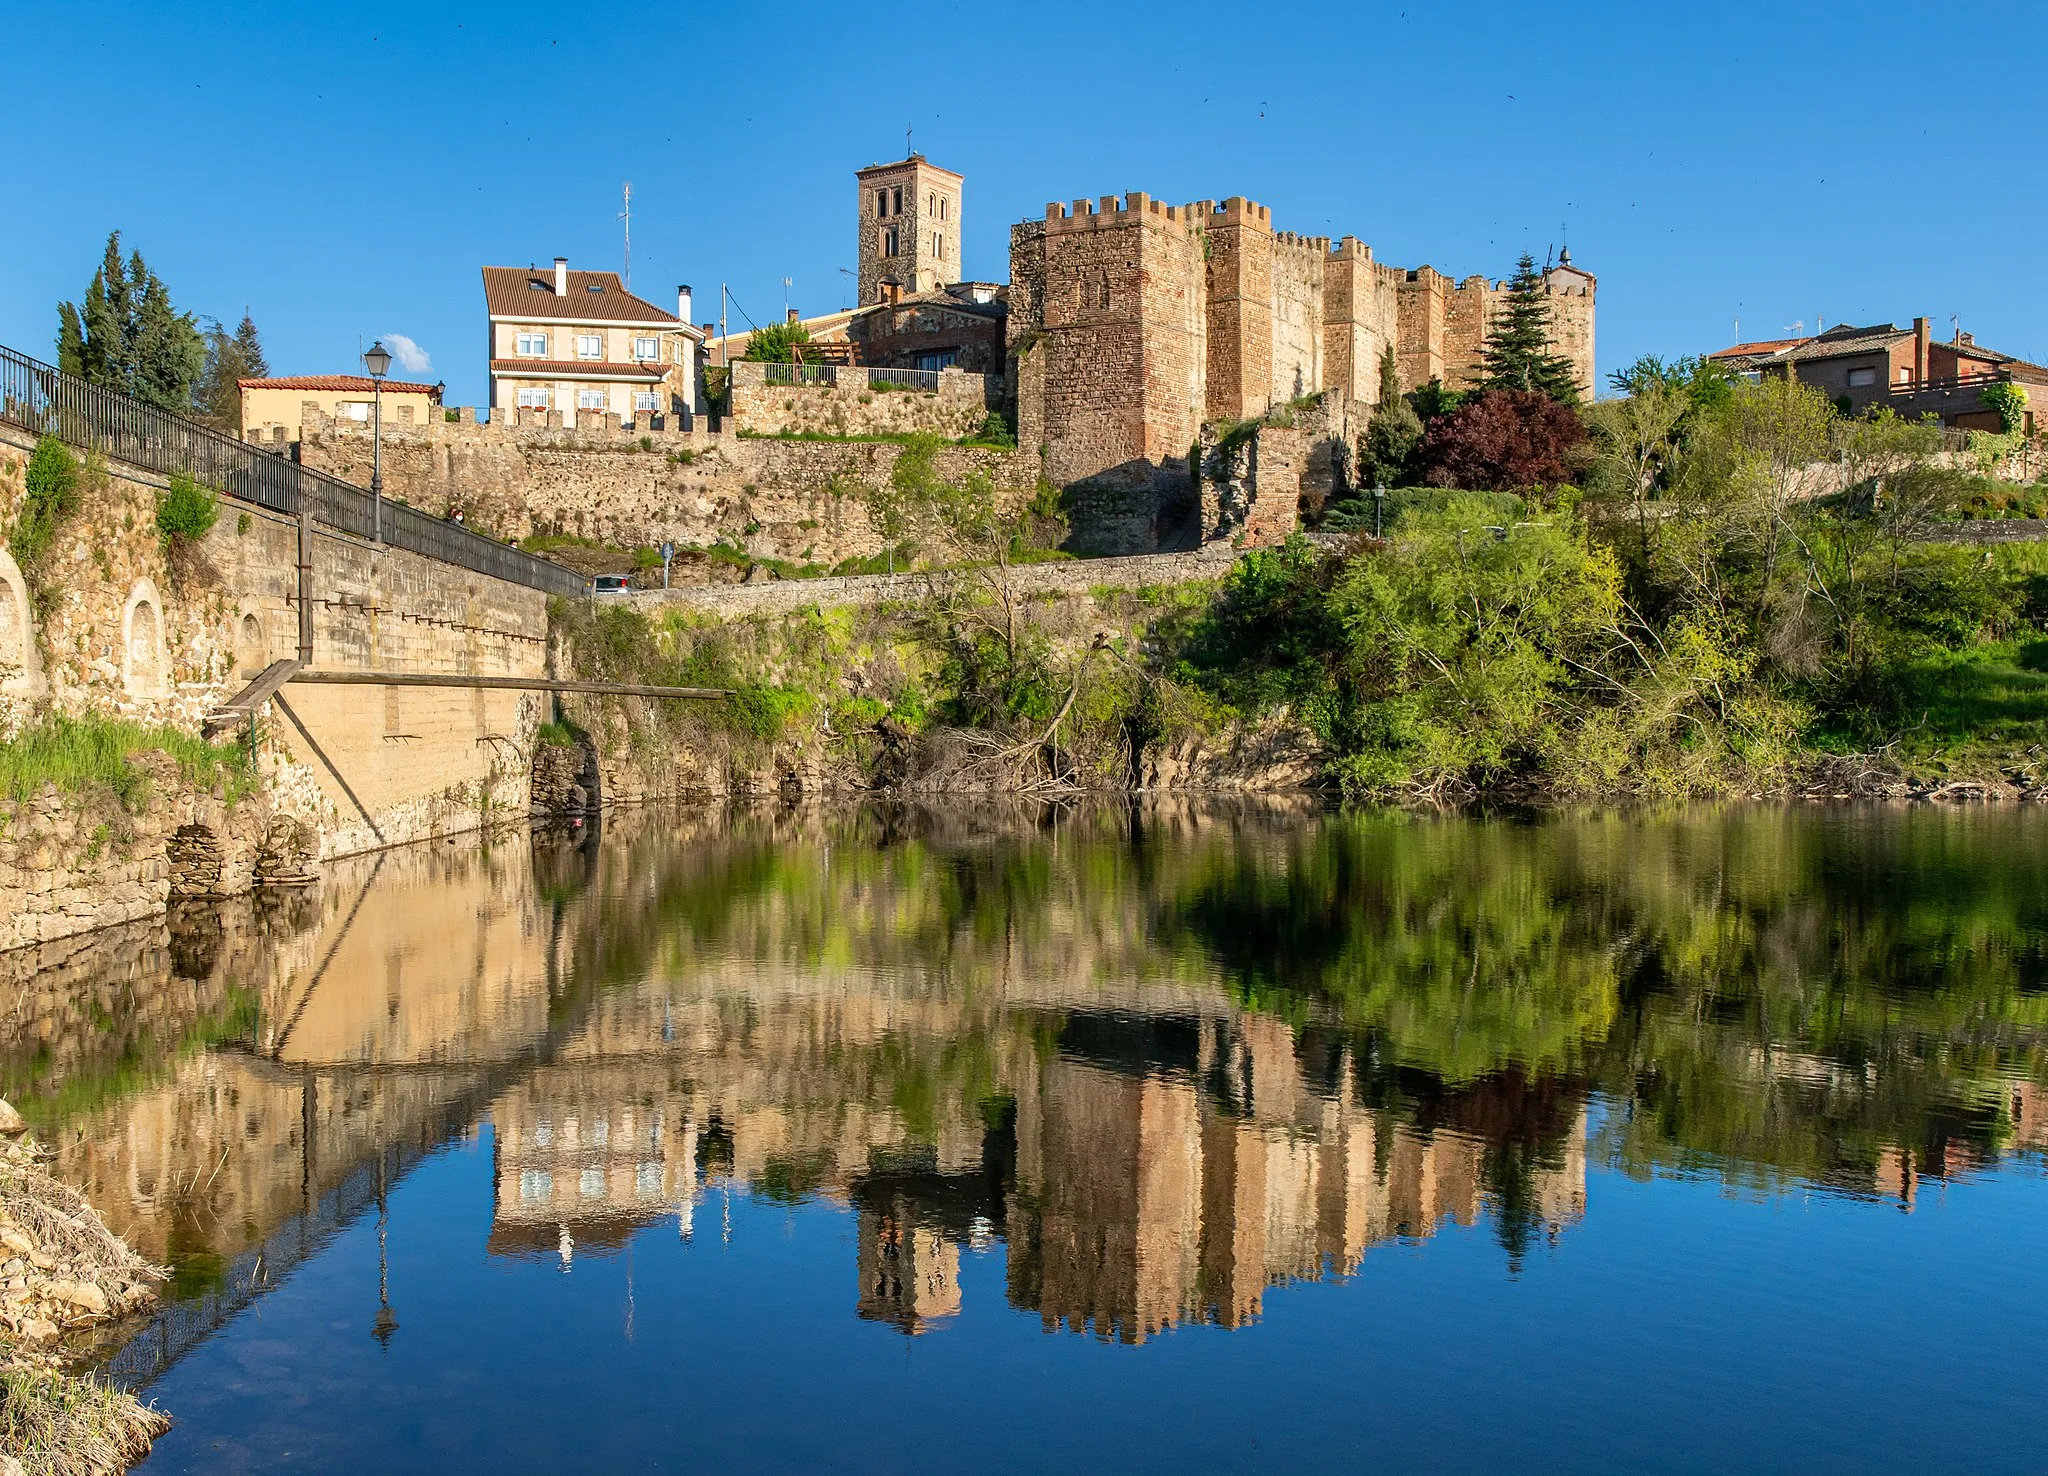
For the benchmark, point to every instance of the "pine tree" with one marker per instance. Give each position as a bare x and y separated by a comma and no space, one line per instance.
128,337
230,358
1392,434
1518,345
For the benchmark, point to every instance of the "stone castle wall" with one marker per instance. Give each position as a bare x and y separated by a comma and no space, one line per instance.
858,403
800,500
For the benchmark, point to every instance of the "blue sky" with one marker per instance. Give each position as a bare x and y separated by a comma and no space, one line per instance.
343,171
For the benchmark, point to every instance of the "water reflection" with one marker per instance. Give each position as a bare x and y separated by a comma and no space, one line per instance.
1169,1059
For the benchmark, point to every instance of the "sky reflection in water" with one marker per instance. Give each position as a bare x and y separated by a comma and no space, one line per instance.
782,1141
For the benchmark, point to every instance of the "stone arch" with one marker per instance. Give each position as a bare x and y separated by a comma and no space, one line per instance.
252,646
194,854
21,664
145,657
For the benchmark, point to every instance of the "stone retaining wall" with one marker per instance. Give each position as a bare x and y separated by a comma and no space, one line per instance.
856,403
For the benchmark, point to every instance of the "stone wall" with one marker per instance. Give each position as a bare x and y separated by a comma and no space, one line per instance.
800,500
131,630
856,402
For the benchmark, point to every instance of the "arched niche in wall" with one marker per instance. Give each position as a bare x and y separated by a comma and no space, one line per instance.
252,647
145,658
21,664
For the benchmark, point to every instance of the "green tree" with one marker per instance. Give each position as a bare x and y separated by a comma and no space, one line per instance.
777,343
128,337
1387,455
230,358
1519,355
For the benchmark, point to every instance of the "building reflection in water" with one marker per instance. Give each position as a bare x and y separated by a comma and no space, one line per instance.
647,1028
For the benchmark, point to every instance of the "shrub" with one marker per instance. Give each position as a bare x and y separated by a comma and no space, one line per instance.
1504,440
2010,401
555,734
995,431
186,510
51,488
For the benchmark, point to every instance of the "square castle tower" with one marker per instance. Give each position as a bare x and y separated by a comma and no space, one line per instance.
1134,323
909,224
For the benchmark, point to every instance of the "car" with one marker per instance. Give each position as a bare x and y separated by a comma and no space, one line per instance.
611,586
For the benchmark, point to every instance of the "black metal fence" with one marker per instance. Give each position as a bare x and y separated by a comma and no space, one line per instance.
48,401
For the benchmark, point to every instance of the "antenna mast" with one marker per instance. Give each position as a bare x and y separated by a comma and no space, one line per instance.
626,215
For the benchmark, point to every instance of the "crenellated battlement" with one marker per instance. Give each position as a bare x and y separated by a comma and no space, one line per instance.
1111,210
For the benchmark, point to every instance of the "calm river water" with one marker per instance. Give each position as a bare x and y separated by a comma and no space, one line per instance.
1123,1139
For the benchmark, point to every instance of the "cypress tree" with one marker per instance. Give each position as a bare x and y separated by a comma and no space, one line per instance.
127,337
230,358
169,353
1519,355
70,340
1392,434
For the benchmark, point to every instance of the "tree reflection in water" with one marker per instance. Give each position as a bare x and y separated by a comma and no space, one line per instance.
1171,1057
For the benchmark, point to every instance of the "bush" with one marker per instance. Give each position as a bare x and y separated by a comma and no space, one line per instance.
186,510
2010,401
1505,441
995,431
777,343
51,487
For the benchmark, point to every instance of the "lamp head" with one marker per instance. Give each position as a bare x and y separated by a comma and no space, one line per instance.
377,360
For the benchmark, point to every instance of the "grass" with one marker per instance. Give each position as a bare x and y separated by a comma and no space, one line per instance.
555,735
1994,694
54,1423
81,753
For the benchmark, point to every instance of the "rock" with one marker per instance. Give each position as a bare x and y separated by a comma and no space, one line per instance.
80,1294
12,1124
18,1240
38,1330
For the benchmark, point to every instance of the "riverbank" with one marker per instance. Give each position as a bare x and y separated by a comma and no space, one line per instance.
64,1275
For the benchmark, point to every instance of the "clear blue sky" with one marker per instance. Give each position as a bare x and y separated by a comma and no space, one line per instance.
343,170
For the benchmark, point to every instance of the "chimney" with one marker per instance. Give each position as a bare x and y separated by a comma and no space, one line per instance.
683,303
561,276
1919,351
792,315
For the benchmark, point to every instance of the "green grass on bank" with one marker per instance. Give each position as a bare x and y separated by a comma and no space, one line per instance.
62,1424
81,753
1992,696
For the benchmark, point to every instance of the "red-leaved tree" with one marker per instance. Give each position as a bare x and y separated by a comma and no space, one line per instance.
1504,441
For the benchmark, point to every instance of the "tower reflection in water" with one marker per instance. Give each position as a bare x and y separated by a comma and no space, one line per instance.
1168,1064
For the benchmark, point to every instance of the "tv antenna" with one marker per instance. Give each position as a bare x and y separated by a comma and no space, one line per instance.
844,272
907,150
626,215
787,283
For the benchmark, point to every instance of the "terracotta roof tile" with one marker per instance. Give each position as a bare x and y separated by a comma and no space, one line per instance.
593,297
357,382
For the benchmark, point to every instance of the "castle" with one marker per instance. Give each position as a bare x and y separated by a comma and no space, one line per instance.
1133,325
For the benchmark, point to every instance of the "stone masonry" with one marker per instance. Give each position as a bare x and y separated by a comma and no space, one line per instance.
1134,323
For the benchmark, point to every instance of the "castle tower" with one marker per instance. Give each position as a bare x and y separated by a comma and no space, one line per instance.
908,215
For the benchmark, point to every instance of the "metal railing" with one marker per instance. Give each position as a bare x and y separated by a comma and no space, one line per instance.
47,401
800,373
917,379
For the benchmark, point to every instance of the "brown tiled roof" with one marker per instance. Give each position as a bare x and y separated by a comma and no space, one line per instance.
1837,342
578,369
1756,349
356,382
509,292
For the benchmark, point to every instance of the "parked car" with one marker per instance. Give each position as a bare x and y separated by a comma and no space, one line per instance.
611,586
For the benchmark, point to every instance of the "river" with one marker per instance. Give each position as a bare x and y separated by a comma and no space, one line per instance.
1135,1138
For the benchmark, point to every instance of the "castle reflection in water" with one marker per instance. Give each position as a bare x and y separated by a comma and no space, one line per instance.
965,1038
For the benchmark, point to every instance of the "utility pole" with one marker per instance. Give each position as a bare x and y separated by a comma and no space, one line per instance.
626,215
724,350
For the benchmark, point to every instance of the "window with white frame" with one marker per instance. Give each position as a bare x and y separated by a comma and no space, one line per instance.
533,345
647,348
590,345
645,400
1858,378
533,399
590,399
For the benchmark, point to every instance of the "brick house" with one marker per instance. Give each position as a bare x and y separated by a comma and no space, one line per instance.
1903,368
574,342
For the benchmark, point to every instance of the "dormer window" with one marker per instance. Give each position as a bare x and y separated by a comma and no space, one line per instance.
594,287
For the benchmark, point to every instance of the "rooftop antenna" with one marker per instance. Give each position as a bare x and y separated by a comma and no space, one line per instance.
844,272
626,215
787,283
907,150
1955,321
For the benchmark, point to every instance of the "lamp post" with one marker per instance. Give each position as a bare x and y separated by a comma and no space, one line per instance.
1379,503
378,362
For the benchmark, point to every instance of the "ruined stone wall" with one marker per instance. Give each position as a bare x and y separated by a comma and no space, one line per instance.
856,402
800,500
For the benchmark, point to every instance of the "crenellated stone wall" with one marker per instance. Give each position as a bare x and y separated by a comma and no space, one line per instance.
851,401
800,500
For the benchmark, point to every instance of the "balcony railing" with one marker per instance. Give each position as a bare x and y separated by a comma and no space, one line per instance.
48,401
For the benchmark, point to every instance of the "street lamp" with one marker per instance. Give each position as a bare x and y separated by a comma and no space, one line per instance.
1379,503
378,362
